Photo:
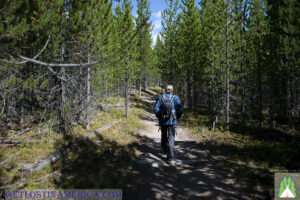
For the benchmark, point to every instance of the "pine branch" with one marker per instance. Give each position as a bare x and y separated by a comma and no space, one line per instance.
23,62
35,61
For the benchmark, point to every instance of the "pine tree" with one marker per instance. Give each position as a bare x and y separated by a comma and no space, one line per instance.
213,22
189,45
258,28
144,42
284,47
24,28
158,61
127,30
169,37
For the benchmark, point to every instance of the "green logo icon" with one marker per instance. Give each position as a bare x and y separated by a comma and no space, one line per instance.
287,188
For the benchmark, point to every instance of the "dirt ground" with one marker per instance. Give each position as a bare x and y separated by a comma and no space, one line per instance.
196,174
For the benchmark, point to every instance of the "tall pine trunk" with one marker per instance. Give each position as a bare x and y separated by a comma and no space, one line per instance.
189,89
88,92
227,71
259,80
291,99
62,84
127,95
243,67
213,99
62,100
139,84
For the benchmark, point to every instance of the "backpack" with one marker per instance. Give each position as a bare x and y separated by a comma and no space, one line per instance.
166,109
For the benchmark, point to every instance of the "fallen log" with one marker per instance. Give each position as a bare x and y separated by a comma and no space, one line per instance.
89,135
12,185
54,157
21,141
20,133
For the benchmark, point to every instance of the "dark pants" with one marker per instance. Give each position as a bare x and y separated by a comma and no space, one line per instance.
168,140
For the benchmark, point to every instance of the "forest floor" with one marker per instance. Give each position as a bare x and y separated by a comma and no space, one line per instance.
222,164
198,172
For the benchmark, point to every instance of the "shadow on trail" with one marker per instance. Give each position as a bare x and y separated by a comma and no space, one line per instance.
96,164
217,175
214,177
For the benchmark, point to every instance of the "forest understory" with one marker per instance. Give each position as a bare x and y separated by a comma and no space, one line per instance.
108,159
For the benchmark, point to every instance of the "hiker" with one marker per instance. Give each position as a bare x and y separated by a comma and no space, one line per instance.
168,110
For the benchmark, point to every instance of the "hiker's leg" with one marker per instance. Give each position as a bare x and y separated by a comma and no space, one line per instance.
164,138
171,141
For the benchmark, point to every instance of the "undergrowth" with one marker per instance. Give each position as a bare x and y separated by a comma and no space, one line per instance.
252,154
96,163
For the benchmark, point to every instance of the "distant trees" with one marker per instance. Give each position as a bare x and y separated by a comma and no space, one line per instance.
239,57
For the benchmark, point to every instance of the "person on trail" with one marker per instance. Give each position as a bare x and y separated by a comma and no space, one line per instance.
168,110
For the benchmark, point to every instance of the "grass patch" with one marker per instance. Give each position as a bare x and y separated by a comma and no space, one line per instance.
103,162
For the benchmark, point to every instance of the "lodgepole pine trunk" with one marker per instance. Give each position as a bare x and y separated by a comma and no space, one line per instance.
62,84
227,72
88,91
259,82
213,100
127,87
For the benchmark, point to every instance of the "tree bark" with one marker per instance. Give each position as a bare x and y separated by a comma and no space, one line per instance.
213,100
88,95
139,84
127,87
62,100
189,90
227,71
62,84
242,66
259,80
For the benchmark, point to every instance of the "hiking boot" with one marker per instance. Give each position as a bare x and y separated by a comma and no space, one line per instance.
170,160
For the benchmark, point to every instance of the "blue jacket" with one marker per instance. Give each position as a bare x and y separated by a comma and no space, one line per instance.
176,105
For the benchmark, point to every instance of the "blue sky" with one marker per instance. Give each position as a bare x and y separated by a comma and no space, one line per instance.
156,7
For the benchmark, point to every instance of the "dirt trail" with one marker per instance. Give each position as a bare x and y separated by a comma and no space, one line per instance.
195,175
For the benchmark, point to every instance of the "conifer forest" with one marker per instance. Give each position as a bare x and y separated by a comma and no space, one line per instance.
79,80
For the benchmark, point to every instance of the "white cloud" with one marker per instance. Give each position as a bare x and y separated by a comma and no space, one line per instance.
156,29
154,36
157,25
157,14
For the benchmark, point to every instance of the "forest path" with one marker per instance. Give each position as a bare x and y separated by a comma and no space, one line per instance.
195,175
